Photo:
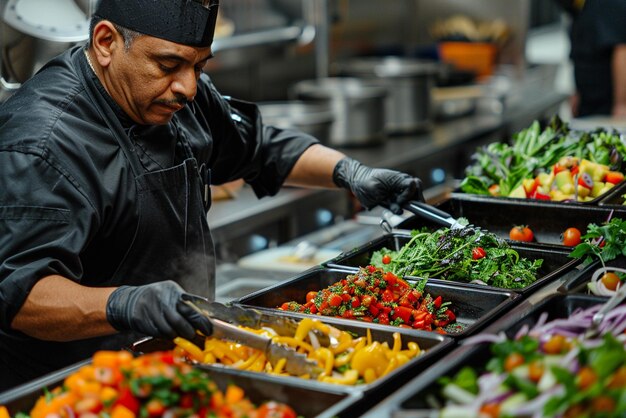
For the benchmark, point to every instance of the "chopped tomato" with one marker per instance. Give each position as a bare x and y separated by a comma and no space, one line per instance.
310,296
478,253
275,410
335,300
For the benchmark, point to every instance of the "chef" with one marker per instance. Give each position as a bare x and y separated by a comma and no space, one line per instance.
106,157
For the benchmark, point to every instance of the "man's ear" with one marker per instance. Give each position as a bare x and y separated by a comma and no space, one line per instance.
106,40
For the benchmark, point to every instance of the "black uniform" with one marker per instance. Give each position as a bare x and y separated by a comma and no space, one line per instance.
87,194
595,31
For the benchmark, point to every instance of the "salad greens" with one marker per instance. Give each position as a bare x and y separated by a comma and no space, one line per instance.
605,242
533,150
448,254
589,384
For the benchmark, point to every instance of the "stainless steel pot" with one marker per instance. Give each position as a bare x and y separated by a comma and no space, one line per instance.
313,119
359,109
34,31
409,82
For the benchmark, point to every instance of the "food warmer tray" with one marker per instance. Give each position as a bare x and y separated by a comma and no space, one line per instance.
412,395
473,306
321,401
556,261
436,345
577,284
547,220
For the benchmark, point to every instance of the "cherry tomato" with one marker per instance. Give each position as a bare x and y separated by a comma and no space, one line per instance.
311,295
521,233
512,361
335,300
386,259
275,410
610,280
555,344
478,253
571,237
603,403
586,377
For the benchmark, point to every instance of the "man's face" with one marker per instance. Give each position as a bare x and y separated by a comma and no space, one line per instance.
154,78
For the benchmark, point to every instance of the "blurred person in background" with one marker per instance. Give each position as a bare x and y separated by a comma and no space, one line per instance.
598,53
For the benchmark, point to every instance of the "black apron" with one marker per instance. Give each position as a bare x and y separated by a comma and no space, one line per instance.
172,236
172,228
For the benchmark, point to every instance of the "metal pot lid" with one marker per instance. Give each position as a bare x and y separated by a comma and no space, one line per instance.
339,87
295,112
391,67
57,20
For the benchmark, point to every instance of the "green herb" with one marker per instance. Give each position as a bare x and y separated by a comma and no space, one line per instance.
613,234
466,379
447,254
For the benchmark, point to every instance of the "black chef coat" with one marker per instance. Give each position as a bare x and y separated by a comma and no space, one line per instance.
69,191
595,31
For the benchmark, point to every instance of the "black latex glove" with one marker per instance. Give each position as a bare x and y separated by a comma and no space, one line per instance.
155,309
377,186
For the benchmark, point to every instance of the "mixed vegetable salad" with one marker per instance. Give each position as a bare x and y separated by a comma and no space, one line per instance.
344,360
550,370
378,296
118,385
555,163
464,255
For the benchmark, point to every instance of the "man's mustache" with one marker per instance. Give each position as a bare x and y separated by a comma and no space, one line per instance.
179,100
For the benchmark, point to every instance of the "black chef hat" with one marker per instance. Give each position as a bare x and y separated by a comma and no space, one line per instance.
185,22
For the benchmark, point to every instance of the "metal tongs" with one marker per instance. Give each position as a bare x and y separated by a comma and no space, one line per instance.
220,315
594,329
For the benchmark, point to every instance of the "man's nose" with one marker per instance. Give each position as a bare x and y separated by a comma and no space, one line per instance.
185,84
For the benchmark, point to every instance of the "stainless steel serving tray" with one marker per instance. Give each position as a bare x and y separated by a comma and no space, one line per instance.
413,395
473,306
320,401
555,261
435,346
547,220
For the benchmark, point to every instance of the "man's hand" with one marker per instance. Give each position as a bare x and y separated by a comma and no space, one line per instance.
377,186
156,309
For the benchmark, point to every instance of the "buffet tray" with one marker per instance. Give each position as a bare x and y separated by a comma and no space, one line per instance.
321,402
435,346
414,394
577,284
473,306
555,260
547,220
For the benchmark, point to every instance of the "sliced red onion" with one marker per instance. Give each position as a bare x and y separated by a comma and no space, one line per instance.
536,405
522,331
601,289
